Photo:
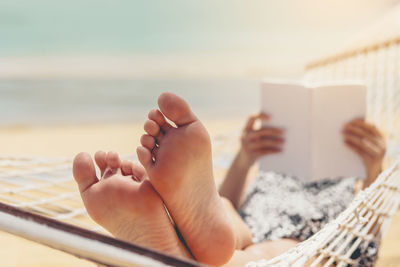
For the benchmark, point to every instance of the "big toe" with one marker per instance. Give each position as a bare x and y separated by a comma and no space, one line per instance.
176,109
84,171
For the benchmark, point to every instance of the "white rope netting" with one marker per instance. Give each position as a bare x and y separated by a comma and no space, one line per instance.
43,186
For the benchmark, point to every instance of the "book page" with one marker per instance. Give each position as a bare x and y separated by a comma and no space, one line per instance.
333,106
289,106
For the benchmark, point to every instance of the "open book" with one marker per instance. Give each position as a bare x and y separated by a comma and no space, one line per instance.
313,119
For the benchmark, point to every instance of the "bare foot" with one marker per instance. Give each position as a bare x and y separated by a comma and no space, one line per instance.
125,203
179,164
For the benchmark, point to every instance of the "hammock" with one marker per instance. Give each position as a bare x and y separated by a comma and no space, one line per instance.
39,197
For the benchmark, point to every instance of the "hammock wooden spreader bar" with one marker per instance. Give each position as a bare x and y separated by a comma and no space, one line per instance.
80,242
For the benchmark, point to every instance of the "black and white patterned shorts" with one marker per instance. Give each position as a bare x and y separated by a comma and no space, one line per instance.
280,206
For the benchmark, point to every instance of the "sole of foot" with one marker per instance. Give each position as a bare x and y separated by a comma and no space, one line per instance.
178,160
125,203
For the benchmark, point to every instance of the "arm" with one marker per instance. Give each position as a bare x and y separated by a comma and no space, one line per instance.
233,185
365,140
254,144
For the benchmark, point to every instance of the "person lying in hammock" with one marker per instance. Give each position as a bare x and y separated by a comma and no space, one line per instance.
130,200
307,207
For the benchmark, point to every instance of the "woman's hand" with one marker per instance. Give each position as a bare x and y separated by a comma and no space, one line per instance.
259,142
368,143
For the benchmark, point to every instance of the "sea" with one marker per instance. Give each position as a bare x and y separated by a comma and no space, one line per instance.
100,27
97,100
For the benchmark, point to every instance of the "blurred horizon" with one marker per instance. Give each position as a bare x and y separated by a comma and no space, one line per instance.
64,62
175,39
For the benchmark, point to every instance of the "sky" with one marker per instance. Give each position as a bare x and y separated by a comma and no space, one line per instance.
175,38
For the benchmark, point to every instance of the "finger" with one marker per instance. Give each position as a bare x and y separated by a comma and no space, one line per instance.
368,127
267,151
253,118
265,144
355,130
372,147
268,132
362,133
363,145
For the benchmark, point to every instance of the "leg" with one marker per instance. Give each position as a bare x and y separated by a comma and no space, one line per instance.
125,203
262,251
242,232
178,161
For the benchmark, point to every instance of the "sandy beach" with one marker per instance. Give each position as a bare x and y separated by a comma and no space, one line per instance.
66,141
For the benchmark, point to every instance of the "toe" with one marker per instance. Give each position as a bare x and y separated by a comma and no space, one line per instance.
84,171
100,158
127,167
158,117
144,156
139,172
148,141
176,109
151,127
113,160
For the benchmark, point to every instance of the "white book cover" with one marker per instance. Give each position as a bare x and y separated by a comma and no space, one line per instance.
313,118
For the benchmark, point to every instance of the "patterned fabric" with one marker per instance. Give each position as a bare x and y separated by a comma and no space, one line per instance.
280,206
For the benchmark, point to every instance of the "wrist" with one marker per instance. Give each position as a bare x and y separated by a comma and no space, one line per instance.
244,160
374,171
